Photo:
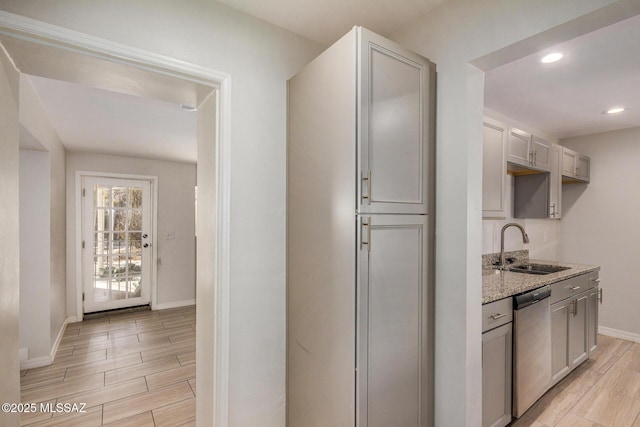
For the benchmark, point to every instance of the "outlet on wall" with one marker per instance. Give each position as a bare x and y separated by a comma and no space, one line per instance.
171,235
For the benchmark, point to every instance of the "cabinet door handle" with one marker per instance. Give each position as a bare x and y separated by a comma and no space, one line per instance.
366,223
535,158
574,307
574,288
367,178
498,316
572,310
531,157
596,280
600,295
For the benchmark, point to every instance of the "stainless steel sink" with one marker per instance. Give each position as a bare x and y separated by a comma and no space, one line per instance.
536,268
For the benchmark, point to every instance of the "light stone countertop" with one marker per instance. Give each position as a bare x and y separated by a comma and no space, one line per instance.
498,284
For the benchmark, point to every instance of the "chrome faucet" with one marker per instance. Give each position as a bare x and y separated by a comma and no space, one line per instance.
525,239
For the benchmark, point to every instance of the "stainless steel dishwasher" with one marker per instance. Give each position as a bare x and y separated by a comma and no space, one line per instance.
532,348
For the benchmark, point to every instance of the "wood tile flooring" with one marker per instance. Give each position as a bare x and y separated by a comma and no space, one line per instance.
603,392
134,369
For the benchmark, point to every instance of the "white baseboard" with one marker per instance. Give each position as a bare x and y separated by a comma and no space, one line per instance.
26,363
174,304
36,362
615,333
56,344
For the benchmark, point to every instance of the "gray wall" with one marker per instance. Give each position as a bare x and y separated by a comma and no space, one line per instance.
35,253
9,240
600,223
176,213
260,57
35,121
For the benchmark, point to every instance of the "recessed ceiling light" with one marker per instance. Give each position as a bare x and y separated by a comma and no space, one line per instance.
615,110
552,57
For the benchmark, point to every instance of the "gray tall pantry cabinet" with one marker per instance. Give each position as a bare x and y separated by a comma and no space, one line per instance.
360,204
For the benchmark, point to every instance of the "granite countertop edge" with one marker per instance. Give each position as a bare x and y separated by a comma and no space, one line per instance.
497,284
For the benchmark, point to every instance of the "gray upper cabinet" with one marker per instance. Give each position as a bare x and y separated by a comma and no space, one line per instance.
540,148
583,168
576,167
555,182
395,124
494,168
527,150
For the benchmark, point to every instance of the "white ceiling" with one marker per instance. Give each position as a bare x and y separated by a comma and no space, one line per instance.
98,120
327,20
564,99
599,70
110,107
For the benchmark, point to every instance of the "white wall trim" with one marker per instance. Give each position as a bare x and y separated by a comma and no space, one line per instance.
26,363
44,33
616,333
56,344
36,363
175,304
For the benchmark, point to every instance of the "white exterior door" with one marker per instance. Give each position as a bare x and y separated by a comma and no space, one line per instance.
116,243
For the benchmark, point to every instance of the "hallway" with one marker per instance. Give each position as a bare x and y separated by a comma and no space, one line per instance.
135,369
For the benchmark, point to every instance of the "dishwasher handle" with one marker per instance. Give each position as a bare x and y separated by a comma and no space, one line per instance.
532,297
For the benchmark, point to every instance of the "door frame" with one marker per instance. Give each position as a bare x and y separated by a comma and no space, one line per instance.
153,180
213,396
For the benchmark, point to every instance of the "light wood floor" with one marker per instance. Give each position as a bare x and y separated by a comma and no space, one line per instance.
603,392
133,369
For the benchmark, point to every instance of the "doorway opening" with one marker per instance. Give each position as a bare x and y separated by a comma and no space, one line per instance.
212,284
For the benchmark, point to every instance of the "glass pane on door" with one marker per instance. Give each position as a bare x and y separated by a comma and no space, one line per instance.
117,242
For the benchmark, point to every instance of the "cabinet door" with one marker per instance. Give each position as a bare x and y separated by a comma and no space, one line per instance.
494,169
496,376
555,185
519,147
568,162
592,322
578,341
395,127
583,167
392,353
540,148
560,364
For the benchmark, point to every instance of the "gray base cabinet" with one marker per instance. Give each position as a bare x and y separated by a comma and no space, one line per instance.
497,342
574,323
496,376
